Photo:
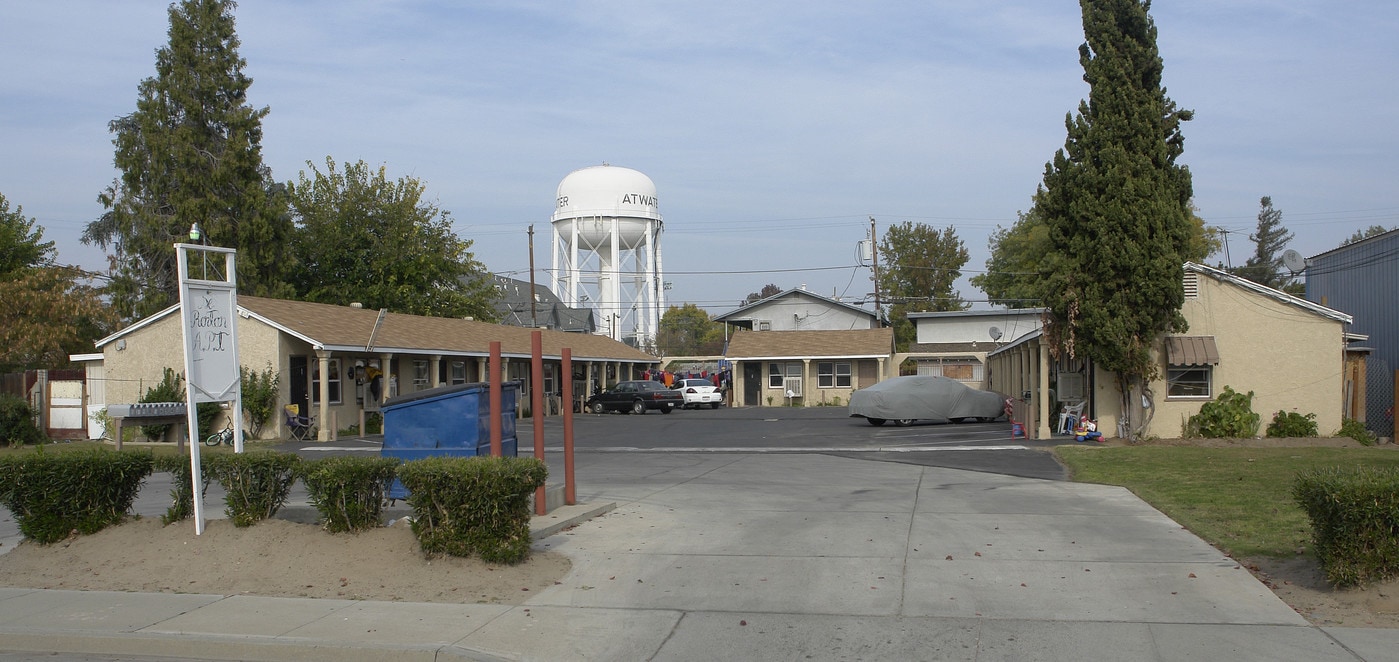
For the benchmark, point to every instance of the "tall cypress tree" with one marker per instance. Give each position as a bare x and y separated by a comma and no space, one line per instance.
191,153
1117,206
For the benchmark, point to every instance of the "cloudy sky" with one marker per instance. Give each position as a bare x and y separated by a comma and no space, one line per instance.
773,130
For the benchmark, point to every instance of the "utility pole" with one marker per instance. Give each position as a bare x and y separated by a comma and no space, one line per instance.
874,253
533,318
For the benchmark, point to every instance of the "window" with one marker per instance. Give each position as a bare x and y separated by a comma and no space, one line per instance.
774,375
458,372
830,374
333,381
421,374
1188,381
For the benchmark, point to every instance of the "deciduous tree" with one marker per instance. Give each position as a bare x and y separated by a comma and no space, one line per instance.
47,311
1117,205
917,268
363,238
768,290
688,331
191,153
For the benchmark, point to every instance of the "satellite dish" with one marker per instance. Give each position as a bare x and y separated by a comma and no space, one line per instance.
995,333
1293,261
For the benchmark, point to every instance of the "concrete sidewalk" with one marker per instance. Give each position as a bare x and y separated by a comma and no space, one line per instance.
749,557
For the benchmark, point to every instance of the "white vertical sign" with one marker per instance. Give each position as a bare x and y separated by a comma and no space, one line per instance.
208,314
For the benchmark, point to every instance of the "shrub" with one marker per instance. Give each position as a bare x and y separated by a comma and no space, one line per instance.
170,389
476,505
1292,424
182,496
259,396
349,491
1355,521
1357,431
1231,415
17,426
257,484
54,494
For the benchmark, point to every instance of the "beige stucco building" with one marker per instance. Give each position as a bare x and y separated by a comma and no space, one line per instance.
303,341
1288,351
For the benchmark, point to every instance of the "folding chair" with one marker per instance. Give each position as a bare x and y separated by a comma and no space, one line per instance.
1069,416
302,428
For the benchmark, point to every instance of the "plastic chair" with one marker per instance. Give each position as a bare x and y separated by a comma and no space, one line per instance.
302,428
1069,415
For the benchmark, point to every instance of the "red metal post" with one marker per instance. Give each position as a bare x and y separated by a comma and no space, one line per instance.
570,494
536,360
493,373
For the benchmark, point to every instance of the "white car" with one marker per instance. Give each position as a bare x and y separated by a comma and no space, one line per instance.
699,392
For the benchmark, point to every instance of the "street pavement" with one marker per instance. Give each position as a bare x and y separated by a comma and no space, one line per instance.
713,555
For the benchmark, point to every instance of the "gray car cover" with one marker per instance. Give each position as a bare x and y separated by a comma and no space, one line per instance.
927,398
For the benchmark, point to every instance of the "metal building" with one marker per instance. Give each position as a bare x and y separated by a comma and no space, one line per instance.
1362,279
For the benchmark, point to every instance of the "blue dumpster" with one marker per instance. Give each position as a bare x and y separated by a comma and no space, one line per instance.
448,420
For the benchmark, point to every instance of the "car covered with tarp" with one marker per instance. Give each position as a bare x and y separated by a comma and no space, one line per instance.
930,398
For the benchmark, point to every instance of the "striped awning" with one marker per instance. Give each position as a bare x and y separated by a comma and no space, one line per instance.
1191,350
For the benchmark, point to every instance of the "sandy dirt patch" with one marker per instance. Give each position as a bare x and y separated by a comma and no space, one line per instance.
276,558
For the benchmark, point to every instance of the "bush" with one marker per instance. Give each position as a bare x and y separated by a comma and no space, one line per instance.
476,505
1357,431
1292,424
17,426
1355,521
1231,415
349,491
54,494
259,396
257,484
183,494
170,389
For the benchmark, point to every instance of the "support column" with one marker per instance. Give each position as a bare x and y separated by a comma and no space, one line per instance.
434,372
323,412
806,382
1043,432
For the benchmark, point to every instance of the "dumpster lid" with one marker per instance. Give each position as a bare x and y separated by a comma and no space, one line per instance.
440,391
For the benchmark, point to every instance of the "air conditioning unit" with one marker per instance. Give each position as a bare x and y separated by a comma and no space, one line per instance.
792,386
764,325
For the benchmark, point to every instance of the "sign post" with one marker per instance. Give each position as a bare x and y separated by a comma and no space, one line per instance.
208,315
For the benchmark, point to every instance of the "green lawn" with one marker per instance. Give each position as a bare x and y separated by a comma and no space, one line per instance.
1238,499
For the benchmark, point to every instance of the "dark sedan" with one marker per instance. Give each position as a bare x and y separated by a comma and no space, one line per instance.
636,397
925,398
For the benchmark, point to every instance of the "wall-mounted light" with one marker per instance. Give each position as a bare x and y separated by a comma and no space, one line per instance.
121,344
196,233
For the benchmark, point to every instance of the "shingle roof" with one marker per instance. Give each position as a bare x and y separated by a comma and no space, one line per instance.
341,328
811,344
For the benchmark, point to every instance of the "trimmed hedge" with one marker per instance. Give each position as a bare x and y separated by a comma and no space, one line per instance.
1355,521
257,483
349,491
473,505
53,495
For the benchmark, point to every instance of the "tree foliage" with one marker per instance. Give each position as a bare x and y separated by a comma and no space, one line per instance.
47,311
919,267
1117,205
191,153
363,238
1265,266
1362,235
768,290
688,331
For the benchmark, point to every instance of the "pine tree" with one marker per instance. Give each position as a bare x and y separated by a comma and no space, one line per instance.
1118,206
191,153
1265,267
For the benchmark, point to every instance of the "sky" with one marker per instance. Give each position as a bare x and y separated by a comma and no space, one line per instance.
773,130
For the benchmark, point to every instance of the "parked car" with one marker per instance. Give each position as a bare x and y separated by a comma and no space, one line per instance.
925,398
699,392
636,397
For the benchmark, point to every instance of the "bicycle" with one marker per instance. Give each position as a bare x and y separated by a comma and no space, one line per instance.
224,436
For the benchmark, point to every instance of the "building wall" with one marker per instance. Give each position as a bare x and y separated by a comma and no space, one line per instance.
1292,359
800,313
975,328
1360,279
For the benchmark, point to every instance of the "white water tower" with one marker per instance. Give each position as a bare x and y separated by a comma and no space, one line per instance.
607,251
